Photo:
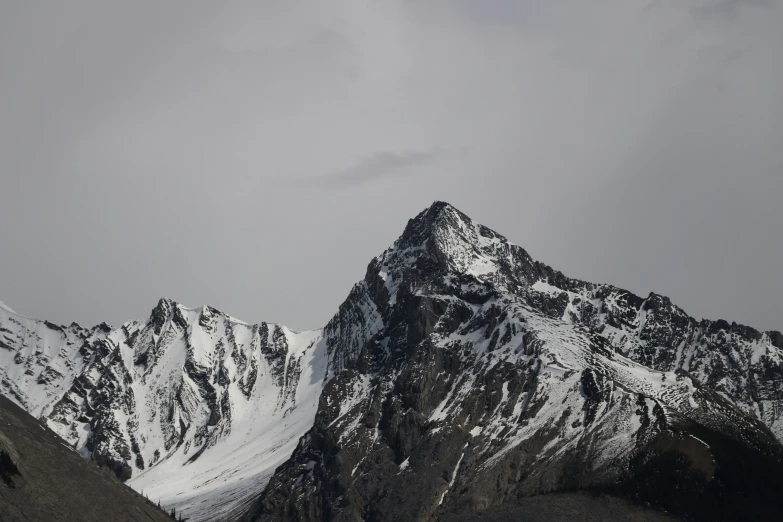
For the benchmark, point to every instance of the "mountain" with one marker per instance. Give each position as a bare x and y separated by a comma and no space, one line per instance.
463,375
460,379
192,406
41,478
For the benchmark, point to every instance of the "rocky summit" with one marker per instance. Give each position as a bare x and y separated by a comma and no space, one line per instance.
461,379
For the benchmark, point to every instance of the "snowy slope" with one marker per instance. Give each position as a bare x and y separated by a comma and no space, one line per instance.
194,407
743,365
264,430
40,360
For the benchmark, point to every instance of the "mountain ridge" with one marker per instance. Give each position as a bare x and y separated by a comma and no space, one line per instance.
150,397
457,346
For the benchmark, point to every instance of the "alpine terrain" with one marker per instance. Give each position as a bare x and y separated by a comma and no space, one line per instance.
460,380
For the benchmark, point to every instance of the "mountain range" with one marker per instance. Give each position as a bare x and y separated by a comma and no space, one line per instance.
459,379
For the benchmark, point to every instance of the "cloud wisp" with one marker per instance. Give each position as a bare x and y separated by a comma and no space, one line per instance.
382,164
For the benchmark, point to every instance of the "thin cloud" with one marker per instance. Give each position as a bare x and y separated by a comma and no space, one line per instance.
380,165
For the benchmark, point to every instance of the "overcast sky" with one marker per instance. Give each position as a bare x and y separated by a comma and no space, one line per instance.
255,156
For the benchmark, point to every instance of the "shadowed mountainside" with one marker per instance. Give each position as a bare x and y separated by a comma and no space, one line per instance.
43,479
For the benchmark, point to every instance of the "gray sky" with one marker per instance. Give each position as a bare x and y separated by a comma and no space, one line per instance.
255,156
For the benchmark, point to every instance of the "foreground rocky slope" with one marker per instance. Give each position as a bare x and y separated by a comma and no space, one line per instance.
565,507
42,479
459,379
463,375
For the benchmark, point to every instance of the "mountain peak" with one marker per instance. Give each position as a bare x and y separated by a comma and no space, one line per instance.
438,216
451,240
161,312
439,208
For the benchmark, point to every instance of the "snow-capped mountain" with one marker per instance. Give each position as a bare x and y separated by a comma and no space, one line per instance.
458,375
464,374
193,407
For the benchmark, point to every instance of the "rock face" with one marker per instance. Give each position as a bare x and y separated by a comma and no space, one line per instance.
464,375
459,378
192,406
43,479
